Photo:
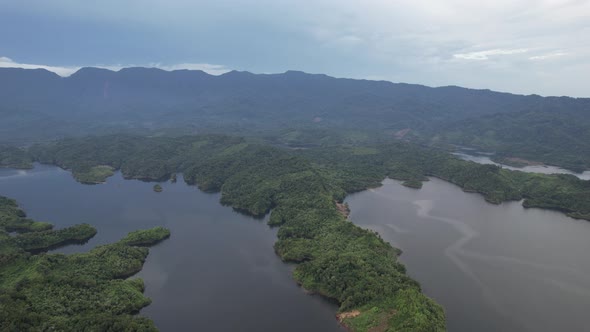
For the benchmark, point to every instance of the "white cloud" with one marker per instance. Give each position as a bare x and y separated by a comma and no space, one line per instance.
212,69
61,71
206,67
548,56
485,55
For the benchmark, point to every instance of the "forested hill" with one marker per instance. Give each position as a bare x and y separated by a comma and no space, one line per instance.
147,97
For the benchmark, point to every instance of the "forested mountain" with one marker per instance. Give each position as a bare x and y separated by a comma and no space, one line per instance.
37,104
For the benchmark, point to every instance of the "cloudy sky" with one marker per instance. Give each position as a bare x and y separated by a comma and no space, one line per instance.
521,46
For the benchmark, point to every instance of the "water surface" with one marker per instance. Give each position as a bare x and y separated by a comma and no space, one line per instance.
492,267
218,270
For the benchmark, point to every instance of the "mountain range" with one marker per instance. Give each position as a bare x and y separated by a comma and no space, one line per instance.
36,104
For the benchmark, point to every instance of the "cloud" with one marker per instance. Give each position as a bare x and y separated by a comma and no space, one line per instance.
485,55
212,69
61,71
548,56
206,67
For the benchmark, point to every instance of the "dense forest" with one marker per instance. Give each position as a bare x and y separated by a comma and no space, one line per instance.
301,188
11,156
350,167
78,292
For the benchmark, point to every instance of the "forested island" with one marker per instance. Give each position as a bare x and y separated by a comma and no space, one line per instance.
302,189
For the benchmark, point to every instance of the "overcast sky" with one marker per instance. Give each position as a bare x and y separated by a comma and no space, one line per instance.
520,46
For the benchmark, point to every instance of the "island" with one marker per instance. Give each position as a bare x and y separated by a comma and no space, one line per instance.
146,238
158,188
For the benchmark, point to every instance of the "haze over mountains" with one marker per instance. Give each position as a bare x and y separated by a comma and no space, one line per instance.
36,104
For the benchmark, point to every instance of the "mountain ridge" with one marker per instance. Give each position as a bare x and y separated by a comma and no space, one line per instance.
285,73
36,104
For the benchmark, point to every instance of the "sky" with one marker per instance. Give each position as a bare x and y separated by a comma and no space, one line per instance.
520,46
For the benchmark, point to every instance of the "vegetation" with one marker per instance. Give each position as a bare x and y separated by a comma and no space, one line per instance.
78,292
158,188
13,219
14,157
94,175
413,183
146,238
45,240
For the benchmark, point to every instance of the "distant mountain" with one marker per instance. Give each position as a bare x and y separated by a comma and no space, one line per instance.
37,104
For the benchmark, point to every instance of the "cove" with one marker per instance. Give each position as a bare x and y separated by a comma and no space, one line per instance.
492,267
217,272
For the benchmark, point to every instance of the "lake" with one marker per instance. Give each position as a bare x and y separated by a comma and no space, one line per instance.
544,169
492,267
218,270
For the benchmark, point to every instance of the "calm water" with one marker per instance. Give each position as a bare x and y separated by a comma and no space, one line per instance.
217,272
493,267
544,169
